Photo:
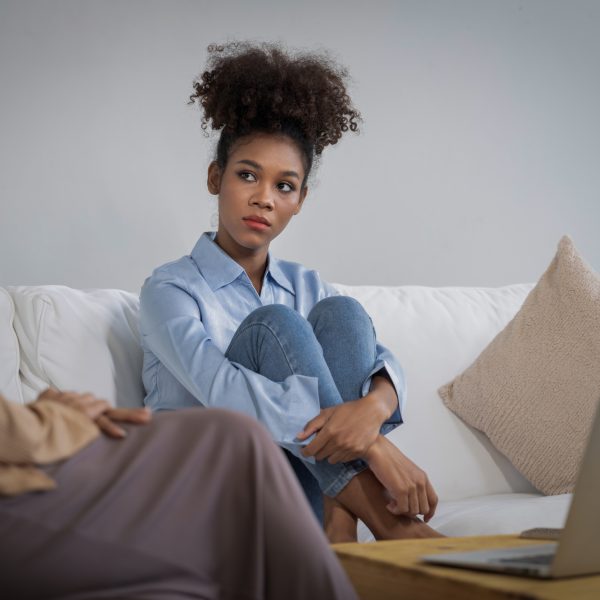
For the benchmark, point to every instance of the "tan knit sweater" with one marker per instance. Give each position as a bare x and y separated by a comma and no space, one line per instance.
38,433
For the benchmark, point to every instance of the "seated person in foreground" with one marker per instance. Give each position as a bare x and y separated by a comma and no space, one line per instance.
193,504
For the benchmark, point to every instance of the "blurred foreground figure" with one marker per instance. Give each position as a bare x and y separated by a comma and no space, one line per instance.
193,504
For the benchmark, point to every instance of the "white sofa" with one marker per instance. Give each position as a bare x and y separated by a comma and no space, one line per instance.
88,341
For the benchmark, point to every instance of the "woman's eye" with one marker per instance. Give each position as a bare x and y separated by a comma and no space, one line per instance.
247,176
284,186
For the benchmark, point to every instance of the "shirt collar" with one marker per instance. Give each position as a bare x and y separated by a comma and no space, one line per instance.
216,266
219,269
277,273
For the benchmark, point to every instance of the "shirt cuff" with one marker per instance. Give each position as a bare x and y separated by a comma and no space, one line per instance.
304,406
395,418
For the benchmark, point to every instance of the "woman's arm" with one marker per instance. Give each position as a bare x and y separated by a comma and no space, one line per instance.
57,425
410,490
54,427
172,329
383,395
347,431
42,432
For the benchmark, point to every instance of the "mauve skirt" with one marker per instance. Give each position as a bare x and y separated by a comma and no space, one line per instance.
200,503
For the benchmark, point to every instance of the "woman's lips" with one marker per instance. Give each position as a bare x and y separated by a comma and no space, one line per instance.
257,223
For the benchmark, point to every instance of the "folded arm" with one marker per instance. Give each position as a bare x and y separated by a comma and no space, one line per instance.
172,329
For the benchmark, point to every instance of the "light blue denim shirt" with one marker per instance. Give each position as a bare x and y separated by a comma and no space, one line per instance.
189,311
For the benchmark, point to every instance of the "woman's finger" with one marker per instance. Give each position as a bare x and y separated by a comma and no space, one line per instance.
339,456
432,499
129,415
396,507
315,446
327,450
313,426
94,407
413,502
423,501
49,394
110,428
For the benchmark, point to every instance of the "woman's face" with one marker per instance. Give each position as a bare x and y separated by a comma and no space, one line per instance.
259,192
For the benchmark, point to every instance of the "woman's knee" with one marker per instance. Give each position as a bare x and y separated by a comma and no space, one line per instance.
279,312
336,309
274,314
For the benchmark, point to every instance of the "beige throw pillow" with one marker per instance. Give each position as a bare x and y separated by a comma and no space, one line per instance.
534,390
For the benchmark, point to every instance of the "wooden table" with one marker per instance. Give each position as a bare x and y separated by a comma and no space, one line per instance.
386,570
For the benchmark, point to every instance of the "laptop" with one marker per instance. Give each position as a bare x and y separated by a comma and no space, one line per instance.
577,551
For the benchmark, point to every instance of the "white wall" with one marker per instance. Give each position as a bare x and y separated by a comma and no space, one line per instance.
480,144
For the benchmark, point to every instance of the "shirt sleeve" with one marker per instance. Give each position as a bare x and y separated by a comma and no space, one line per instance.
385,363
171,327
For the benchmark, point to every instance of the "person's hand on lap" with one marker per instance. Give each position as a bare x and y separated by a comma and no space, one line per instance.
99,411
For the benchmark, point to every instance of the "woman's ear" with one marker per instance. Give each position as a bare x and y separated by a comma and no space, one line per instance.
303,193
214,178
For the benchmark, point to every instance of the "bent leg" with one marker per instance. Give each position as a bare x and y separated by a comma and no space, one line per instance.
345,332
276,341
197,504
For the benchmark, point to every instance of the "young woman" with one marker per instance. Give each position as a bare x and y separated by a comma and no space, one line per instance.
233,327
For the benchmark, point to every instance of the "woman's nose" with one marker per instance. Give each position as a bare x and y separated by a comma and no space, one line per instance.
263,198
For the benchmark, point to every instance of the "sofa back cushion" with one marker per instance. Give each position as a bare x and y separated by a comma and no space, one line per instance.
436,333
81,340
9,351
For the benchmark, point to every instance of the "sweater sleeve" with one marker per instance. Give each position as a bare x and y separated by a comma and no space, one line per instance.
42,432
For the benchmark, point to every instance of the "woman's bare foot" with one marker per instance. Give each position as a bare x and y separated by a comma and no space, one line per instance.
339,522
365,497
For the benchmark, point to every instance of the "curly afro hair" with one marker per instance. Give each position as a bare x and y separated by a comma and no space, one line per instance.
250,88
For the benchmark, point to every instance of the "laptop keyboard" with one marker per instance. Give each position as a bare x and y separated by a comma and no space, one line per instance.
536,559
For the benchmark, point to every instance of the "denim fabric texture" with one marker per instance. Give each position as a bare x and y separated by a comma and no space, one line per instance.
337,345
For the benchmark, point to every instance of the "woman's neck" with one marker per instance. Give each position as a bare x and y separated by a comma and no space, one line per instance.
254,262
255,268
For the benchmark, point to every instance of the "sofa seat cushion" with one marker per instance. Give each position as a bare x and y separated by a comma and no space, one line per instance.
501,513
495,514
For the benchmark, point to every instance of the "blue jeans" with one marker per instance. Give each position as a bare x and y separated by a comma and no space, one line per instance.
336,343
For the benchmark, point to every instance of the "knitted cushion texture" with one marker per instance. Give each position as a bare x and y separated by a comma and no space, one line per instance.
535,388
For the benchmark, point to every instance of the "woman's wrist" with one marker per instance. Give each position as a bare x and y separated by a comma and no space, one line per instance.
375,449
384,392
377,405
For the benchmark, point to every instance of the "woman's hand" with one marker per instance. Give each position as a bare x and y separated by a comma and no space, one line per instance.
99,411
344,432
409,488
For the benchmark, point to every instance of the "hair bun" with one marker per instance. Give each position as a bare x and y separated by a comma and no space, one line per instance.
250,87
